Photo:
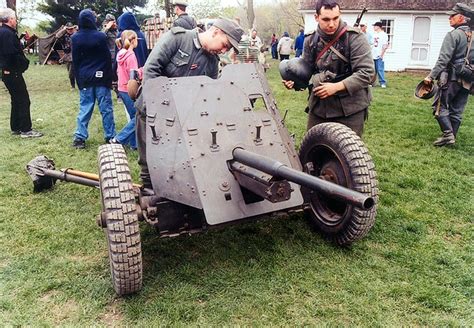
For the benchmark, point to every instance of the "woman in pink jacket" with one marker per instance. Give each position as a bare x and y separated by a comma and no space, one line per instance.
126,62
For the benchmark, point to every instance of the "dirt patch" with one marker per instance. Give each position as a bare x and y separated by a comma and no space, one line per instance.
112,316
59,313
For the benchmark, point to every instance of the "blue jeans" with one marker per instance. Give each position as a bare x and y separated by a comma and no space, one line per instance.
87,97
380,68
127,135
299,52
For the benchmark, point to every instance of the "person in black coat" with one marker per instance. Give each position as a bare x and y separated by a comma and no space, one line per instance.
12,65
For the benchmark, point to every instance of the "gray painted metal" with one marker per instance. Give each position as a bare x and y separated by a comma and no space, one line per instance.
194,124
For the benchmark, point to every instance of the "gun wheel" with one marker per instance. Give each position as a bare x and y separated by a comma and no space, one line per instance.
120,220
333,152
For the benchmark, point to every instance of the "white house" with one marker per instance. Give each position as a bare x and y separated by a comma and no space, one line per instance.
416,28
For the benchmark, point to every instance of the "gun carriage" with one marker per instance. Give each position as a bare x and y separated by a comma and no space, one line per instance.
218,152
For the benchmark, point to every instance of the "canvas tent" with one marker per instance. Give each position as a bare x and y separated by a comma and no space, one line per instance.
50,49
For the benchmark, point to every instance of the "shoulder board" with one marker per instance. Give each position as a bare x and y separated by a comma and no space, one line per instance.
177,29
353,29
309,33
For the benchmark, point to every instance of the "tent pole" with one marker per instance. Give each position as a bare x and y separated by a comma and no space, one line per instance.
49,54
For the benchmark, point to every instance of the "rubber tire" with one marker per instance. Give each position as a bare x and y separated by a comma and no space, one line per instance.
122,229
341,147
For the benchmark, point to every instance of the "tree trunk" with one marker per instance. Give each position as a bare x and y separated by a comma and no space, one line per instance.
11,4
250,13
168,8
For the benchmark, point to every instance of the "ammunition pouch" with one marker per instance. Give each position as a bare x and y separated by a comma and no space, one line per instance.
464,71
322,77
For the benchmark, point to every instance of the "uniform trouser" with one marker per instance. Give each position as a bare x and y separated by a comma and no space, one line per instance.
20,119
451,99
141,143
70,72
354,121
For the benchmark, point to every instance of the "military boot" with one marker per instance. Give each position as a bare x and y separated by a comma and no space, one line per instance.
447,139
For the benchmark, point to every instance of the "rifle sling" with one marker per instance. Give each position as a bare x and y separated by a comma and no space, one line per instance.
330,45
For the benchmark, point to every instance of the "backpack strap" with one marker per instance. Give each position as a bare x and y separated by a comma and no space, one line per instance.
468,49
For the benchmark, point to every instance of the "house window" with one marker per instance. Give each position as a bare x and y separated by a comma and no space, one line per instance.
388,28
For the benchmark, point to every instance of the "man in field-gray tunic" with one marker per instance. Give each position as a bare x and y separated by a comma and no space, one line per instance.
452,95
183,19
341,73
179,53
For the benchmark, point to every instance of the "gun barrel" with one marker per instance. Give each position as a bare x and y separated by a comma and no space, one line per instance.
279,169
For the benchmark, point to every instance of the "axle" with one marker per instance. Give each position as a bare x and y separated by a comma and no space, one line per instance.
280,170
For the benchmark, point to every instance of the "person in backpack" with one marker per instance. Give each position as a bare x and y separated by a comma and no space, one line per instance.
339,87
285,46
127,62
451,99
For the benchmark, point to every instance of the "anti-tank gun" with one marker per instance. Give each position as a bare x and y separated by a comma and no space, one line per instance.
218,153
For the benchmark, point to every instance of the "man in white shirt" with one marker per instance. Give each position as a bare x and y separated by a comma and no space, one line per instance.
379,45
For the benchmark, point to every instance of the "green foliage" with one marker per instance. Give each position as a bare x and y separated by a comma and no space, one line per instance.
206,9
68,11
413,269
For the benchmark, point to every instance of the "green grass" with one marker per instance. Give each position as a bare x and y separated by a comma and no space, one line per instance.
415,268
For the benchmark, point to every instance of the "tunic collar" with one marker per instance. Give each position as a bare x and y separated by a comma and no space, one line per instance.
197,44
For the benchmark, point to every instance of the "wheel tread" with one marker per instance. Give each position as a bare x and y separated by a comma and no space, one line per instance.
122,227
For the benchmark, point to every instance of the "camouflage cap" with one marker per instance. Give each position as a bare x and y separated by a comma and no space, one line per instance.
180,3
233,31
461,8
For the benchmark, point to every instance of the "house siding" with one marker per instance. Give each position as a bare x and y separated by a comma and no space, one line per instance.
398,57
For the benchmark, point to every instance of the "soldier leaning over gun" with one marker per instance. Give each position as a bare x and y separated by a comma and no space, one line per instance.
181,53
452,95
340,84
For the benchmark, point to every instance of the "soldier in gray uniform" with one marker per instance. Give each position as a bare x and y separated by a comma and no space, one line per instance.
184,20
342,74
452,95
179,53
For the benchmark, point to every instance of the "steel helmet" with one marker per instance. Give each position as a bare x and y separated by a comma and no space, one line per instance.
425,91
296,70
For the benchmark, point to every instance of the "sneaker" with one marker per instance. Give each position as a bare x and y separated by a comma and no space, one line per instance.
447,139
79,144
383,86
31,134
16,133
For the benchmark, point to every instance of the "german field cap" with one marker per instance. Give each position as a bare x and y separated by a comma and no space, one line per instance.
69,26
180,3
425,91
461,8
233,31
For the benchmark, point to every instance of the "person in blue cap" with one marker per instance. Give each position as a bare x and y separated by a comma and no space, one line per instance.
127,21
